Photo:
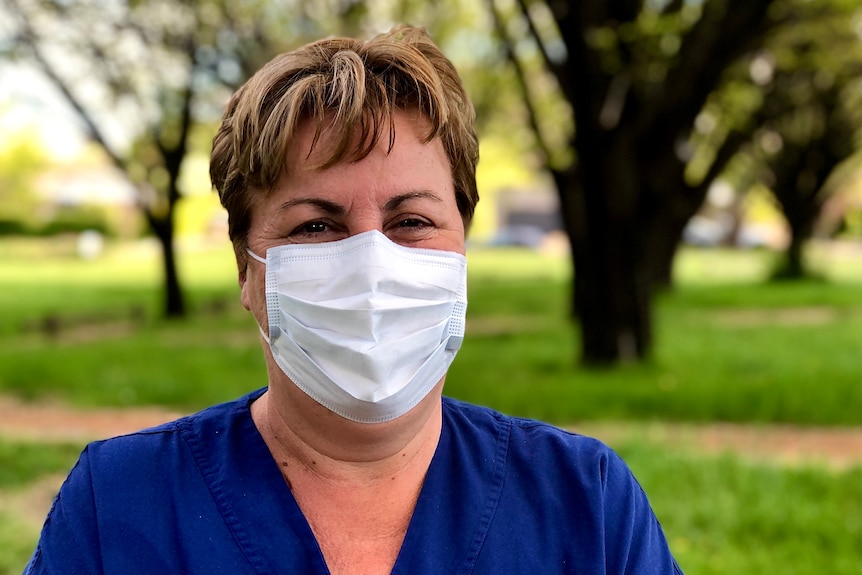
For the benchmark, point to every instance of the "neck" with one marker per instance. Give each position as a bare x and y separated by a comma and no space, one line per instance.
304,437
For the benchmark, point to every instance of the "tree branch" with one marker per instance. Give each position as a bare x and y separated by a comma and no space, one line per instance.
28,37
537,38
725,30
729,148
174,156
523,87
673,7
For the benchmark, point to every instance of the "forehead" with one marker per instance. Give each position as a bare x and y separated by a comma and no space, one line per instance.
400,153
325,141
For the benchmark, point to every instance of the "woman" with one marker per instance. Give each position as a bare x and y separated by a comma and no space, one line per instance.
348,172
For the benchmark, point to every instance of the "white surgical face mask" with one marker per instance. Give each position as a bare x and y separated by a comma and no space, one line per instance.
364,326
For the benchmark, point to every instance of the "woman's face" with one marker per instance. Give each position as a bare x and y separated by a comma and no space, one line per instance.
407,194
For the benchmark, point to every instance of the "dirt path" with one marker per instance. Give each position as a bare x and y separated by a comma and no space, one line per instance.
56,422
835,447
838,447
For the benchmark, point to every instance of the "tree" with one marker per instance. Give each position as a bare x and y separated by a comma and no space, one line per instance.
136,74
636,76
799,152
143,76
810,119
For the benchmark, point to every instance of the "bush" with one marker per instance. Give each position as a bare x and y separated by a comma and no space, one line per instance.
76,219
14,228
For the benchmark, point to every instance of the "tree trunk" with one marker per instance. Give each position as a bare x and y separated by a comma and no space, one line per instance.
661,240
625,216
611,294
801,224
792,268
615,323
799,188
174,303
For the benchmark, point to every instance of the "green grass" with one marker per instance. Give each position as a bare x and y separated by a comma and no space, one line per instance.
21,510
730,351
42,279
737,352
726,349
17,541
725,516
23,462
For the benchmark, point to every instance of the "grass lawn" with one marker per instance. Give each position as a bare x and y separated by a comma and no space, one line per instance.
729,347
726,349
722,515
23,469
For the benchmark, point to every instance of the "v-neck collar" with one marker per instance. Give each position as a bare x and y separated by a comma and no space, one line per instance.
458,498
457,501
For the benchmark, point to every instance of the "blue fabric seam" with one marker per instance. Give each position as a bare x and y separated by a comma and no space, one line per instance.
93,498
493,499
238,533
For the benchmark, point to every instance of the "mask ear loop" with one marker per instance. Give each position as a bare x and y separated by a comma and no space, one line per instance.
255,256
263,261
263,335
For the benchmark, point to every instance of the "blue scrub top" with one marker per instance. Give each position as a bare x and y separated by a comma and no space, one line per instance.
203,495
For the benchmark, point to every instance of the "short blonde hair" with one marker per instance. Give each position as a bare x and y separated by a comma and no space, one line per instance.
352,89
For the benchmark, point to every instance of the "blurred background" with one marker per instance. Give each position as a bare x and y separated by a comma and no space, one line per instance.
667,253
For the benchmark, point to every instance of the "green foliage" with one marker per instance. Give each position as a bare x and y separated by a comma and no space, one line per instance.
76,219
795,103
21,161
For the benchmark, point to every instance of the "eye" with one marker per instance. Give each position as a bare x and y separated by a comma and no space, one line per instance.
409,229
316,231
315,227
415,223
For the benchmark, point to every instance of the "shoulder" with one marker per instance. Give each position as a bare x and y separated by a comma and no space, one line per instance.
136,495
587,506
209,423
144,458
540,454
526,437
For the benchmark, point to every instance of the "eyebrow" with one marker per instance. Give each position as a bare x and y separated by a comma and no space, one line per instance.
325,205
396,201
335,209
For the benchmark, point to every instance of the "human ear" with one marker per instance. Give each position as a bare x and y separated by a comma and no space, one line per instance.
244,292
242,278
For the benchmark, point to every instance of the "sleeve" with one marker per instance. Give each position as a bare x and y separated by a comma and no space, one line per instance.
635,542
69,542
